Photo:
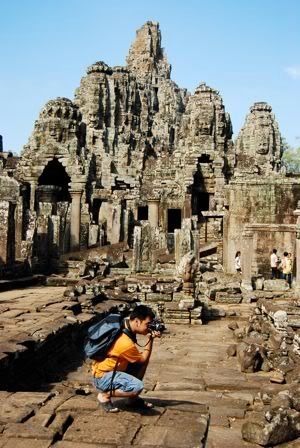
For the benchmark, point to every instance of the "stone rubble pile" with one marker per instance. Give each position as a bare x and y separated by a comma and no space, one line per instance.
270,341
164,294
213,289
274,417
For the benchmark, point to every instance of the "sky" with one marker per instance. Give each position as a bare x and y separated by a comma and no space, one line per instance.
246,49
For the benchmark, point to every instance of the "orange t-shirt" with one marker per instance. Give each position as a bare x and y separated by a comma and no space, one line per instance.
124,351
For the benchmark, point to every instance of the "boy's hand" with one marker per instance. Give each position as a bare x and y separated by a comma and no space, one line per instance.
156,334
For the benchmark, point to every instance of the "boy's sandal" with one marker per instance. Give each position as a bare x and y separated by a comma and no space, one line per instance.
107,406
139,403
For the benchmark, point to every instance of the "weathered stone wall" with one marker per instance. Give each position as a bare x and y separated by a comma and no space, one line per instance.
268,202
268,237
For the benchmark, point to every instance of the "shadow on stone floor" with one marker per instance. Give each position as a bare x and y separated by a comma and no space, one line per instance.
161,404
38,374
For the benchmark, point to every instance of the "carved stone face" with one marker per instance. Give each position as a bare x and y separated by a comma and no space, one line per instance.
59,120
54,130
262,140
202,122
204,127
93,119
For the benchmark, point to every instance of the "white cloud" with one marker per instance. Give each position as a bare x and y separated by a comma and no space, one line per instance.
293,71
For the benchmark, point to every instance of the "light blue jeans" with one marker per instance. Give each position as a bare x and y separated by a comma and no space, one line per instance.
121,381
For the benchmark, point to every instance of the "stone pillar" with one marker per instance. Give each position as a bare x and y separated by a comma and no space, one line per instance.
136,254
4,231
184,241
114,229
228,263
32,195
75,219
144,246
297,255
19,228
187,208
153,211
246,259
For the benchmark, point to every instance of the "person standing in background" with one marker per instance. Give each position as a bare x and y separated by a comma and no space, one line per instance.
237,262
274,261
287,267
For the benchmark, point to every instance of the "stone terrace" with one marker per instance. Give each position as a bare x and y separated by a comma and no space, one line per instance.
194,385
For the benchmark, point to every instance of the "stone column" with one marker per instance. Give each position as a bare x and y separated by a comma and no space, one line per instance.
297,255
4,231
32,195
187,208
153,211
75,219
246,259
228,264
114,230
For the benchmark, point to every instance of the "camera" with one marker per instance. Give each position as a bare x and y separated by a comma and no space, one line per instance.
156,325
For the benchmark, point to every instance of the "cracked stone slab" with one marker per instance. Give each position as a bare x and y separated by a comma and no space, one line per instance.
173,437
88,427
66,444
10,413
78,403
28,430
23,443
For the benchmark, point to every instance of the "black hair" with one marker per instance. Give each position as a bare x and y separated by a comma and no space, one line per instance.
285,254
141,312
274,251
237,254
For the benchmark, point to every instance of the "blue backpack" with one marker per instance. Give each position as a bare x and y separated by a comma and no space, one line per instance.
102,335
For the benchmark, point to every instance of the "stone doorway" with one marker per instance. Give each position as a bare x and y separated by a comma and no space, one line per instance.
11,232
55,175
143,213
200,196
200,202
53,208
96,209
174,219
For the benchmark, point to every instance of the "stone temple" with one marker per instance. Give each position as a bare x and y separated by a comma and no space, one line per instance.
135,192
133,147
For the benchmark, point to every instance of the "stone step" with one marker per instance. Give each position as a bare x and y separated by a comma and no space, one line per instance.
24,282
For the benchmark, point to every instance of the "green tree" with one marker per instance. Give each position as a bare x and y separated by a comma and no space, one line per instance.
291,157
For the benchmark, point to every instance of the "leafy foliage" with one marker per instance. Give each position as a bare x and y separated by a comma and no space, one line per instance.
291,158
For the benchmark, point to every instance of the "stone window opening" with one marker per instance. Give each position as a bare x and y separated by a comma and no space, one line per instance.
155,100
143,213
205,158
172,136
174,219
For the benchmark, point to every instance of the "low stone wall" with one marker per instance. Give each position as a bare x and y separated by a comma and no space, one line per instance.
32,359
163,294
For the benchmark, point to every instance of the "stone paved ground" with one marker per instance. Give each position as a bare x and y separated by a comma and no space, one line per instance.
191,381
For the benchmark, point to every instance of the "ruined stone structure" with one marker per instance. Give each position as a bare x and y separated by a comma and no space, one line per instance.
131,147
258,146
260,199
